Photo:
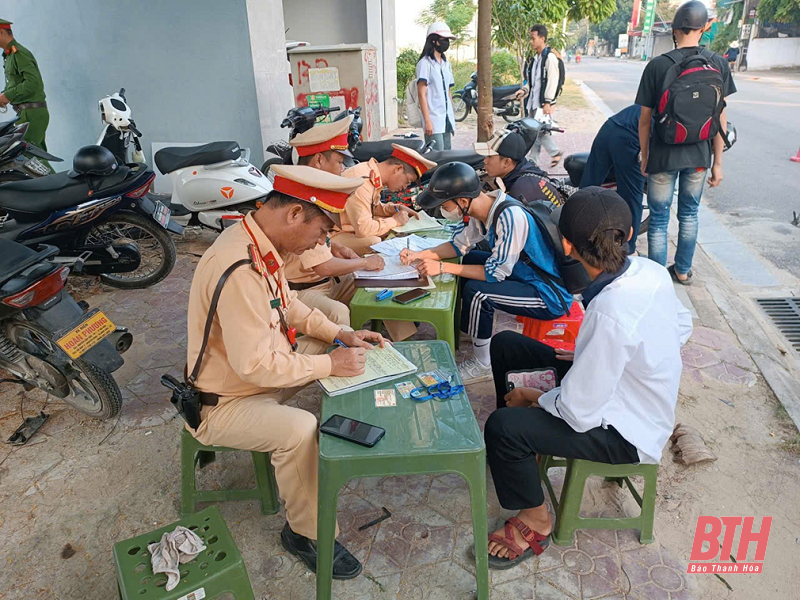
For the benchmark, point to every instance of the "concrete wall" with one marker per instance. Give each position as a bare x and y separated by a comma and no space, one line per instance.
769,53
325,22
186,66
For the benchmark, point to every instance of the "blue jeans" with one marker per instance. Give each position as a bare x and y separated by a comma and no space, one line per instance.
660,190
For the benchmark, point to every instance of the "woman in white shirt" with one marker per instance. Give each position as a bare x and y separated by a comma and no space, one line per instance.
434,83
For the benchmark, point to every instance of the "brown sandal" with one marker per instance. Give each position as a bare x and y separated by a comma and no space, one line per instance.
555,160
537,543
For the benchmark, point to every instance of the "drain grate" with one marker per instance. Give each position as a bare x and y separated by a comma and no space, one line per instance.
785,315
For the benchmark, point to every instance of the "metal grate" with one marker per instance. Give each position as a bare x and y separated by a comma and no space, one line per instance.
785,314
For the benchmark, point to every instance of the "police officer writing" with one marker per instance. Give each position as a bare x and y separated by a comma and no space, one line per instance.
24,88
253,360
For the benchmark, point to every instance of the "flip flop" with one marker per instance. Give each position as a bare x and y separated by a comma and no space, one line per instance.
674,275
538,543
555,160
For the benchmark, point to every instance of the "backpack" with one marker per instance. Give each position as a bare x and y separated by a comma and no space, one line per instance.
413,111
691,100
573,276
562,73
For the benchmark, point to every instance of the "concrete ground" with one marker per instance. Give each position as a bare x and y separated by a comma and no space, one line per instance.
89,484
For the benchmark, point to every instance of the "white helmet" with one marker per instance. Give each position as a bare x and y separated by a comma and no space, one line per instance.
115,111
441,29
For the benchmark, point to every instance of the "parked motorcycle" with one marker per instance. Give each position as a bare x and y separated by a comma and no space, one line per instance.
103,224
49,341
503,102
19,159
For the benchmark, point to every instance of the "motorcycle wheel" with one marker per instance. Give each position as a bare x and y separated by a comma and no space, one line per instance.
90,389
267,171
153,241
460,108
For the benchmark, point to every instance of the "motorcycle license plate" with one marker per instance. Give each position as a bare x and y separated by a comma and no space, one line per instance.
161,214
35,165
90,332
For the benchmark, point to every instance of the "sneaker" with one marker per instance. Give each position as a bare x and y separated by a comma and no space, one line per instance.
472,371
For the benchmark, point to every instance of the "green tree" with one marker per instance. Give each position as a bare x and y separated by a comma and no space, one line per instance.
779,11
406,69
458,14
610,29
729,32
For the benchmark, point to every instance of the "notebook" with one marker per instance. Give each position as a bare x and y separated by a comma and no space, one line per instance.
423,223
382,365
392,269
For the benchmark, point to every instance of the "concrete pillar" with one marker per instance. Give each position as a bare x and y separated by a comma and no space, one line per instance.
271,68
381,34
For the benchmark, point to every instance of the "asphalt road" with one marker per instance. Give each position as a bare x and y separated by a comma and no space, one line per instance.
761,187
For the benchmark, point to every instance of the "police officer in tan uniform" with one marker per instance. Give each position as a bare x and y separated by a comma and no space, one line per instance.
366,219
253,362
322,277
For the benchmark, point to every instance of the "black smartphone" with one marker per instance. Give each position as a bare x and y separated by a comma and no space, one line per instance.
352,430
412,295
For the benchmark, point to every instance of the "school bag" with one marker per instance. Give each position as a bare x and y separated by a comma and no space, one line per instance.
562,71
573,276
413,110
691,99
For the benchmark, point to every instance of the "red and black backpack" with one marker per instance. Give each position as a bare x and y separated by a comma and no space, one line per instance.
691,100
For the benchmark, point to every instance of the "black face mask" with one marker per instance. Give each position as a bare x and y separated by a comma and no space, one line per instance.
443,45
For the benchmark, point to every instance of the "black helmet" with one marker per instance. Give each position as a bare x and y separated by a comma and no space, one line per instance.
690,15
450,181
93,160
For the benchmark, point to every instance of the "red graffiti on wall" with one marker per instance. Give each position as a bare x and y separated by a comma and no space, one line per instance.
320,63
302,71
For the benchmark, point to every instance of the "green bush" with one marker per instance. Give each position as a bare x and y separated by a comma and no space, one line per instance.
406,69
462,71
505,69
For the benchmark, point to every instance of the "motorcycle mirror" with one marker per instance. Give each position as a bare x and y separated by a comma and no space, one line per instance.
122,94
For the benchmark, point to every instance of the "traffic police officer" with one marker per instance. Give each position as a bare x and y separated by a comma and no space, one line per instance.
253,362
24,87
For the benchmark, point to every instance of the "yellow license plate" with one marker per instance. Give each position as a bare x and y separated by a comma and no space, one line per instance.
88,334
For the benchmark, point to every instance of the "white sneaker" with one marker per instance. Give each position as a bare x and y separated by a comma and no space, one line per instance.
472,371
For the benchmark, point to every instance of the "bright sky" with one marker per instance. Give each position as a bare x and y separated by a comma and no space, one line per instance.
407,32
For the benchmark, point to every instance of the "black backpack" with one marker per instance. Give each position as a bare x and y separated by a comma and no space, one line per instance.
562,73
573,276
691,100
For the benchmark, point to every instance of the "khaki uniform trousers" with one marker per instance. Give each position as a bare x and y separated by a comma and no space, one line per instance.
262,423
359,245
332,298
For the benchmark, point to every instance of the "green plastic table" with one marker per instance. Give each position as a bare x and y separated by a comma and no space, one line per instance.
438,309
421,438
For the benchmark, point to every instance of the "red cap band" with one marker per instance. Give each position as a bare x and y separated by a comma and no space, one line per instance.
5,25
325,199
337,143
419,167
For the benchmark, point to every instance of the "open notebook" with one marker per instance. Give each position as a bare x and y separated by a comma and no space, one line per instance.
425,222
383,364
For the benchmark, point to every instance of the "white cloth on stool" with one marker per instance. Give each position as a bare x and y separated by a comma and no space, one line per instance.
176,547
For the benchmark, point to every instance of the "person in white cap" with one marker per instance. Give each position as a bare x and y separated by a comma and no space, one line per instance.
434,82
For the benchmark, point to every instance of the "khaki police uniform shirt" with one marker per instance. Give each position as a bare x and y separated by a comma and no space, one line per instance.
247,351
365,214
300,269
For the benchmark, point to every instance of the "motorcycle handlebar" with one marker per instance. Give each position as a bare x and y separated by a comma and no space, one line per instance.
132,127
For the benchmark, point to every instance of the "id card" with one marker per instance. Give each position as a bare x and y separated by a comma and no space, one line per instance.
405,388
431,378
385,398
543,380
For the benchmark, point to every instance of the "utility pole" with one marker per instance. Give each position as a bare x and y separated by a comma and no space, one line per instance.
485,114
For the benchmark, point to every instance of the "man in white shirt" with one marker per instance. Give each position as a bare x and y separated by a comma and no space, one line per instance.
616,402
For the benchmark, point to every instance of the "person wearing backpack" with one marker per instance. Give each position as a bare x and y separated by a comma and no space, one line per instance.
545,76
684,90
434,80
520,276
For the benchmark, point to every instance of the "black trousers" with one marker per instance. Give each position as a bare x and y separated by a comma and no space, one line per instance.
515,436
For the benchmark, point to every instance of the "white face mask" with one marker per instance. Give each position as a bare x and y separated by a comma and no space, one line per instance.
454,215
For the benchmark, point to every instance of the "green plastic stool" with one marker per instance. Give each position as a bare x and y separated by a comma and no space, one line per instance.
568,508
266,490
219,569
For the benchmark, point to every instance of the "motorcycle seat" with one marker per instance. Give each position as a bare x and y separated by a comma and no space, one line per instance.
26,201
381,150
504,90
440,157
575,164
174,158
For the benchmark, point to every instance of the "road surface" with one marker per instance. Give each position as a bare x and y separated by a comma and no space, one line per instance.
761,187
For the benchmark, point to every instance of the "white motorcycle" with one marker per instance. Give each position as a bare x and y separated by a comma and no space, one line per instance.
213,184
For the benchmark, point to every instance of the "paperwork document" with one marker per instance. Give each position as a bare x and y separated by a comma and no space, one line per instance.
425,222
383,364
413,242
393,269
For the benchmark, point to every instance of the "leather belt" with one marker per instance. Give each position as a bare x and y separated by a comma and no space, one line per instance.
208,399
20,107
299,287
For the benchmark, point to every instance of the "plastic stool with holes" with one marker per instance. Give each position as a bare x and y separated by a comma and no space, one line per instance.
219,569
558,333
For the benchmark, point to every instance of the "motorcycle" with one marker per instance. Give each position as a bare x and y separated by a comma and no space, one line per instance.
503,102
211,182
49,341
19,159
102,225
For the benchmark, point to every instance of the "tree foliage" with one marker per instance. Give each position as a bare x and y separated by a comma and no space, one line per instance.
779,11
406,69
610,28
729,32
458,14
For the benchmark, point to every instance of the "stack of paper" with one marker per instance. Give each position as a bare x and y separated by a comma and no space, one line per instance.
413,242
382,365
393,269
423,223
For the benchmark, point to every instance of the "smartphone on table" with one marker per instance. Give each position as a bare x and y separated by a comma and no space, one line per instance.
411,296
353,431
